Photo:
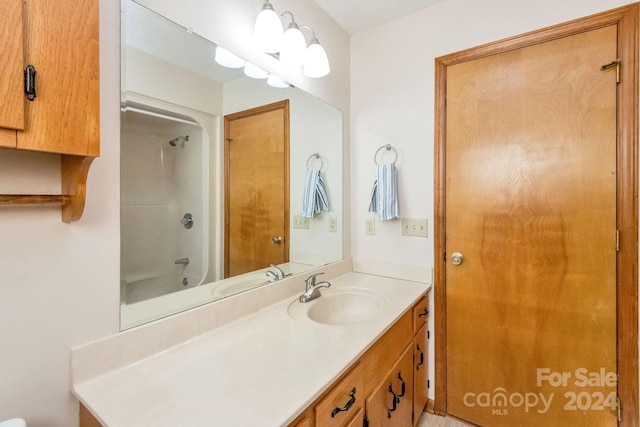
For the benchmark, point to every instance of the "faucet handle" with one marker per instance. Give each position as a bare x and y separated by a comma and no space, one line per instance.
311,280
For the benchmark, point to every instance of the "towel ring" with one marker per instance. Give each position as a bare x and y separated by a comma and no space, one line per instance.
387,147
315,156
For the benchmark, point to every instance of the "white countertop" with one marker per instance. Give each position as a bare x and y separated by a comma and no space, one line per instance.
262,370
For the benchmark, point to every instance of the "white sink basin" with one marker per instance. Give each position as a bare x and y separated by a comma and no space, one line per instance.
340,306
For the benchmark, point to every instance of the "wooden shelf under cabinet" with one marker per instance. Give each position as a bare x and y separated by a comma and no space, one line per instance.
64,116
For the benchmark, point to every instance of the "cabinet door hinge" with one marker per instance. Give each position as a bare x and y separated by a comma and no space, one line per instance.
617,240
428,383
619,405
30,82
428,335
612,64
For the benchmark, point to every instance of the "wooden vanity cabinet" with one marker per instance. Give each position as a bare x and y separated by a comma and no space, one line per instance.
60,39
398,357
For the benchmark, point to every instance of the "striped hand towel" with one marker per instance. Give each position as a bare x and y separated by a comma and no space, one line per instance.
315,198
384,195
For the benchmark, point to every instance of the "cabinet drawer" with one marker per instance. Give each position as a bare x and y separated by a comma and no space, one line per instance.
358,420
420,314
343,402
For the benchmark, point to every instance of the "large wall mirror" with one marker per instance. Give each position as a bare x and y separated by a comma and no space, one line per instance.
185,173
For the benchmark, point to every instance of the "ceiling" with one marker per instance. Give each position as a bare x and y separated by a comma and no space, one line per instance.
355,16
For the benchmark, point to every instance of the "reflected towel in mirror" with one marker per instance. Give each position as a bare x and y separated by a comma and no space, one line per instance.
315,198
384,195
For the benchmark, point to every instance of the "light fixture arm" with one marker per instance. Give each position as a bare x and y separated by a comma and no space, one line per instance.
293,20
314,39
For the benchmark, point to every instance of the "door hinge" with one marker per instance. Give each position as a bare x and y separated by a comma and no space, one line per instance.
612,64
619,405
428,335
428,383
617,240
30,82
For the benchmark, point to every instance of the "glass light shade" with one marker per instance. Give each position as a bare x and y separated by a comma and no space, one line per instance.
294,47
254,71
276,81
228,59
267,30
316,63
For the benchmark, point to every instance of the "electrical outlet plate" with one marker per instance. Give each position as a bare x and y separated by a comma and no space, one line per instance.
333,224
300,222
370,227
414,227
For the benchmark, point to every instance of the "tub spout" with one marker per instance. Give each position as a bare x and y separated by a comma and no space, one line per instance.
184,261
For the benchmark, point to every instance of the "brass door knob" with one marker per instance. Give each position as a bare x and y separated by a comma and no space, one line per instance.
456,258
277,240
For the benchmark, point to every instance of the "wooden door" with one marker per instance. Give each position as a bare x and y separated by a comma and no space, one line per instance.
531,207
256,188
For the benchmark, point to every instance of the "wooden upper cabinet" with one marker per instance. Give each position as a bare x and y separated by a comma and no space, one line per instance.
11,70
61,42
60,39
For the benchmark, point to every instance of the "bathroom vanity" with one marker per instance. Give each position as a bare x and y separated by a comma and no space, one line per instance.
262,358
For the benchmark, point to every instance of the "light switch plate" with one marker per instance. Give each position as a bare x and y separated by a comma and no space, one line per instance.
414,227
300,221
370,227
333,224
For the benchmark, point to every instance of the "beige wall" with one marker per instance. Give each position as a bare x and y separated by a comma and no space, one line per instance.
59,283
392,99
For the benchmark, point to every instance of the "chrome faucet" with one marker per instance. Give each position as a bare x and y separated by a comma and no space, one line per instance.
183,261
313,288
279,274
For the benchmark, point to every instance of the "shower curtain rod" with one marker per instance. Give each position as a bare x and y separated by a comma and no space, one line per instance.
163,116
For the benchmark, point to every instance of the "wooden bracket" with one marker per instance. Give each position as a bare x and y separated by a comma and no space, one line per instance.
74,172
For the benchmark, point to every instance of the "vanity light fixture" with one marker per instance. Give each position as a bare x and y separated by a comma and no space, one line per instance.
267,30
228,59
294,46
254,71
316,63
276,81
290,45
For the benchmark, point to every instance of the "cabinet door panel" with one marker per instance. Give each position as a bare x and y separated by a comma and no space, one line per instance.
11,83
11,67
420,373
62,44
380,408
8,138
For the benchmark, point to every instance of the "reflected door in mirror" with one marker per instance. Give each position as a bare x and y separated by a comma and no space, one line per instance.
257,188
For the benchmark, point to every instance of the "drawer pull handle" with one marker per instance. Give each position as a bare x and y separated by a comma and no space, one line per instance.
421,357
347,406
395,402
425,312
402,387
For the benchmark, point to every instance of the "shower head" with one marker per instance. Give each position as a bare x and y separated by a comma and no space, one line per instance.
181,139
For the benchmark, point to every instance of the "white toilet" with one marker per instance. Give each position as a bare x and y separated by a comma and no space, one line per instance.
13,422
